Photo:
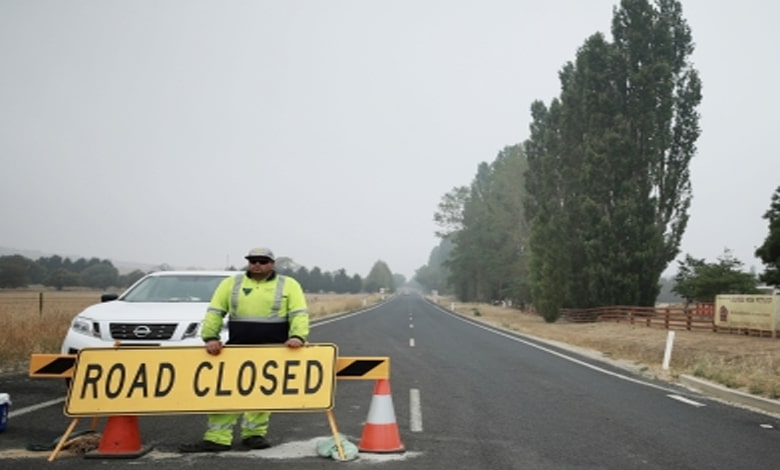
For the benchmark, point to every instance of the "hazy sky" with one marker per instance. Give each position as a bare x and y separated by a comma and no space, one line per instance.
189,131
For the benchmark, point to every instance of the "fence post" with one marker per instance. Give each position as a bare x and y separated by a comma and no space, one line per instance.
40,303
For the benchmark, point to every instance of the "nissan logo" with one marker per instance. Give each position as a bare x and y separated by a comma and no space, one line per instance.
142,331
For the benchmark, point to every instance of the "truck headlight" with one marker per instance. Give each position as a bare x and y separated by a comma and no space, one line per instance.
85,326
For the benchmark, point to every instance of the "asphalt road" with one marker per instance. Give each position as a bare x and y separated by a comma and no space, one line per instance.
464,396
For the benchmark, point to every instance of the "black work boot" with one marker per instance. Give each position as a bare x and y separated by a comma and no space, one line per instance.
256,442
203,446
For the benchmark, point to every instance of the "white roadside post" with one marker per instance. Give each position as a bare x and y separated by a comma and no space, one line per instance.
668,350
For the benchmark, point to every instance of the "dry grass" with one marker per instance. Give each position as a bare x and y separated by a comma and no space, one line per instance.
31,326
747,363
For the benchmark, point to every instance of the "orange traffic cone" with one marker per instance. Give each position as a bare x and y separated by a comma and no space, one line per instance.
380,433
121,440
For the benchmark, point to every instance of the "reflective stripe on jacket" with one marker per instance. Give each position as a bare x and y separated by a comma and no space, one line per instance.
259,312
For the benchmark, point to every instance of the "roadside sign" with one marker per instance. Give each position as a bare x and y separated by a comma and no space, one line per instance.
150,380
362,368
56,366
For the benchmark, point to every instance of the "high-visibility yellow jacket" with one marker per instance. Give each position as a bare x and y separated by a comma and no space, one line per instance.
259,312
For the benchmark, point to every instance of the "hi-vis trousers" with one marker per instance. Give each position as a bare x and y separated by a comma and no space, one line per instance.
220,426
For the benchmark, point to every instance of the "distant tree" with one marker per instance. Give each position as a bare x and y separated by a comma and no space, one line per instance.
769,251
327,282
699,281
489,261
356,284
126,280
433,276
80,265
303,277
316,280
37,273
398,280
341,282
379,277
50,263
61,277
15,271
100,276
449,217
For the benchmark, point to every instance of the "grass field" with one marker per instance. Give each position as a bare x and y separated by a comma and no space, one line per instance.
36,321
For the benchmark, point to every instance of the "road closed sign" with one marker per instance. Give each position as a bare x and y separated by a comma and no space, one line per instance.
149,381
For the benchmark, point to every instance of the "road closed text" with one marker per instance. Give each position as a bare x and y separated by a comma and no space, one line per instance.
188,380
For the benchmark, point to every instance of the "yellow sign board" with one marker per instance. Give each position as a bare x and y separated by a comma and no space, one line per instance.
753,312
148,380
60,366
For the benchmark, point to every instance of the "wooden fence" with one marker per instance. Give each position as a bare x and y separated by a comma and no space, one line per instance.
692,318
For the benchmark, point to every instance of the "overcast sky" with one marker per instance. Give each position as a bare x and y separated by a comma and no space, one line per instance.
188,132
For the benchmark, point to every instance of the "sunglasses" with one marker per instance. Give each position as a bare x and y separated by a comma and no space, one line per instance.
260,261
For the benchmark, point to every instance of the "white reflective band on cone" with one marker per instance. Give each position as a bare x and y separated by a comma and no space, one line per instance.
381,411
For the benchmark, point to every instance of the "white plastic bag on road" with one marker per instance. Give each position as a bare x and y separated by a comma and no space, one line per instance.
327,448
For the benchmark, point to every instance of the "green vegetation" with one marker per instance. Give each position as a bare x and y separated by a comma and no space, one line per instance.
58,272
591,208
379,278
699,281
608,183
54,271
769,251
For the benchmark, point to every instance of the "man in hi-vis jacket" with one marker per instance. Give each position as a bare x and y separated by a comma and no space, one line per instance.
262,307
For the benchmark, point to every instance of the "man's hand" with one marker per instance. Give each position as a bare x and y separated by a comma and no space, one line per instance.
293,343
213,347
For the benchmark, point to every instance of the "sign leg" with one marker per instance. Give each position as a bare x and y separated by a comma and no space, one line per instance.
336,436
63,439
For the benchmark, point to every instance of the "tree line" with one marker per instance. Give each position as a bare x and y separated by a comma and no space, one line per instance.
590,210
58,272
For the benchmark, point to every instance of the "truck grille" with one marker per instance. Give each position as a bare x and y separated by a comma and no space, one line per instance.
142,331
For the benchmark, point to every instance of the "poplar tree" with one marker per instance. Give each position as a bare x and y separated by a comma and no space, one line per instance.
609,184
550,263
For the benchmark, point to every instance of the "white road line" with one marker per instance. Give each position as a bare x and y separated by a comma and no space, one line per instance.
32,408
411,325
498,332
415,411
685,400
411,342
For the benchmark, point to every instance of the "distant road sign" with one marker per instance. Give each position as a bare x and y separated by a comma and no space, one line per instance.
145,381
